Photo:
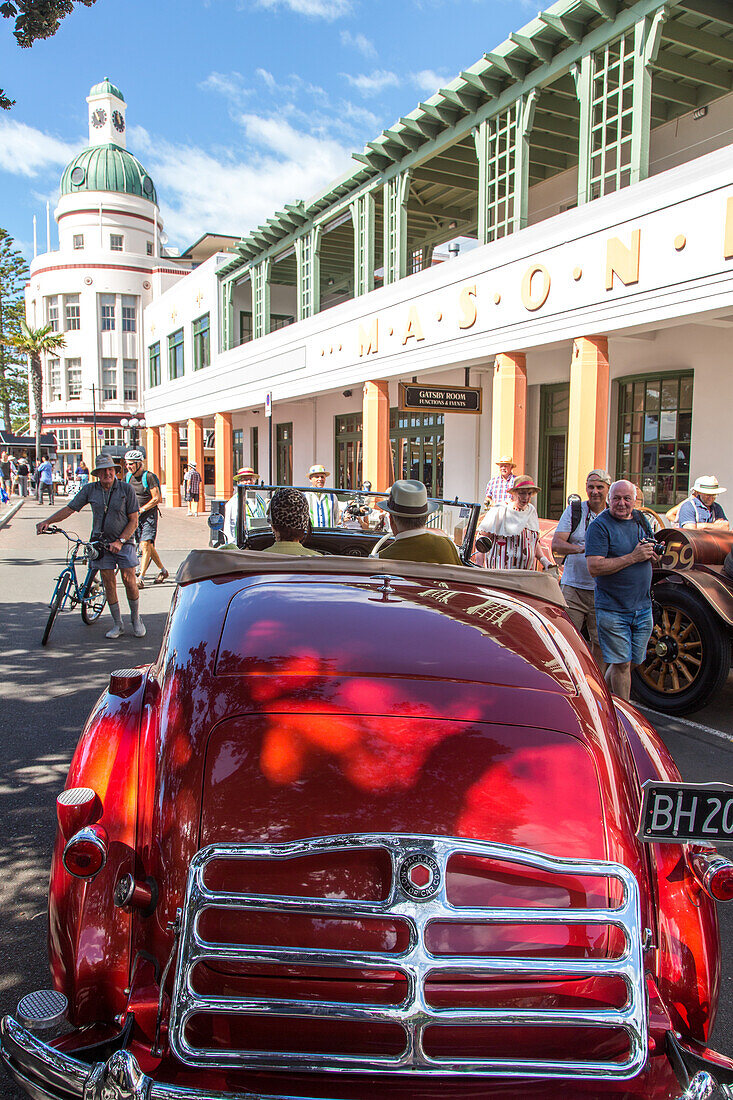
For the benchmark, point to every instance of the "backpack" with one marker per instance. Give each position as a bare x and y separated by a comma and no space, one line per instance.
576,514
145,479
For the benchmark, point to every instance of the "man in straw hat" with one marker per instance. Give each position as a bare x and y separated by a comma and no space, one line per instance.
255,507
497,490
324,507
408,508
114,517
701,510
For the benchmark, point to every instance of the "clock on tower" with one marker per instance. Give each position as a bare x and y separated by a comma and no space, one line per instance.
106,114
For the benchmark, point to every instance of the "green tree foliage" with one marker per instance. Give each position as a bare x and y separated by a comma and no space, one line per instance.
13,370
35,342
35,19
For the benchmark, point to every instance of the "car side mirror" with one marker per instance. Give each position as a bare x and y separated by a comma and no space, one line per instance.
483,544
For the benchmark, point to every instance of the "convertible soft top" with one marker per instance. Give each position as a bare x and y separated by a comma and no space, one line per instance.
202,565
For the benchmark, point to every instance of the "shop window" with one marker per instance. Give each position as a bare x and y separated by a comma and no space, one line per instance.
284,453
654,436
254,448
201,345
175,354
348,463
154,363
417,448
238,448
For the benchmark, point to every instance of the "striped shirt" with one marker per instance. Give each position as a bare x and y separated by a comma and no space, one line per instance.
323,509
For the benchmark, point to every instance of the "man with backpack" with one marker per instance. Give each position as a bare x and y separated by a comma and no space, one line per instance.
147,490
578,587
619,549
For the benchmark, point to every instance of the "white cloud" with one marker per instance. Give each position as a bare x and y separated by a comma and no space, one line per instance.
371,84
230,85
428,81
318,9
25,151
359,42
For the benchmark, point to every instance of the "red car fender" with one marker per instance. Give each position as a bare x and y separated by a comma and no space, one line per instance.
687,936
89,937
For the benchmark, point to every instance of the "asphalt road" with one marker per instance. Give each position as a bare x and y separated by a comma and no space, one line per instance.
46,695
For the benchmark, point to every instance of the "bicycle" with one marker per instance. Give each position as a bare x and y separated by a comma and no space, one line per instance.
68,592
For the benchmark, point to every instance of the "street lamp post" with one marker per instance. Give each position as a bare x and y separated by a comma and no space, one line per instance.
132,427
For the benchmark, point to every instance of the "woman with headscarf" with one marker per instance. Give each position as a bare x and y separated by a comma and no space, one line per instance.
514,529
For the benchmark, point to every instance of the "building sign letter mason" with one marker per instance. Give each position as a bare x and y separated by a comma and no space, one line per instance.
535,287
369,343
414,328
467,304
623,261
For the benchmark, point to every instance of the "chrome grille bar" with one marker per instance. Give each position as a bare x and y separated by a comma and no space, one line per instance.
416,964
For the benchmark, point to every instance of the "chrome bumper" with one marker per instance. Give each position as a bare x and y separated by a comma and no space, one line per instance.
47,1074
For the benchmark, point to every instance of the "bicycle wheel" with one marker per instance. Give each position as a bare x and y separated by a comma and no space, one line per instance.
92,603
57,600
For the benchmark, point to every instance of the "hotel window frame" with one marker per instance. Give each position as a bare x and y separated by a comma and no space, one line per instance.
77,241
637,409
52,312
176,355
73,366
201,333
129,313
154,364
72,312
116,242
109,380
107,306
129,368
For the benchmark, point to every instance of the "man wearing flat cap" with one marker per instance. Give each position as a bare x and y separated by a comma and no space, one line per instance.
114,517
408,509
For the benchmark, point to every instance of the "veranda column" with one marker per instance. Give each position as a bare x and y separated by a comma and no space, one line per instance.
172,466
153,451
308,266
395,193
196,454
509,409
362,216
588,415
261,298
376,465
223,459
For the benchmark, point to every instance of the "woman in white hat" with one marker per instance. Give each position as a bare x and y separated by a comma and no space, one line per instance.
701,510
514,529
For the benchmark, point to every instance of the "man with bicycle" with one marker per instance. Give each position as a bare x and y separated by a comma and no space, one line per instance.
115,515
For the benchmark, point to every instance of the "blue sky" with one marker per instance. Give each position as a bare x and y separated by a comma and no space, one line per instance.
234,106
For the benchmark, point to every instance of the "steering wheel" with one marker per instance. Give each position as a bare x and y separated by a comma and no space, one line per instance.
374,552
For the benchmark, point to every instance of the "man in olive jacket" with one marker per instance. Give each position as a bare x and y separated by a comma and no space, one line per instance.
407,507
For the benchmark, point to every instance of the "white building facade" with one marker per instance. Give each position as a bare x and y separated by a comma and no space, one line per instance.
590,158
93,289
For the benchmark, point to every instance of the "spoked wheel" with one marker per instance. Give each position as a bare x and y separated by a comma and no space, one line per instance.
688,655
655,520
93,603
56,601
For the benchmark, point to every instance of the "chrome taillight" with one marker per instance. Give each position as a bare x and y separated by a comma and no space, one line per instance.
715,874
86,853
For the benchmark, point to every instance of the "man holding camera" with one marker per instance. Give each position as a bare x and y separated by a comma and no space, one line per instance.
619,549
114,520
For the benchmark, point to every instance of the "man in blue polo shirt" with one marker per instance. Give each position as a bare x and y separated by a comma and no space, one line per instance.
619,548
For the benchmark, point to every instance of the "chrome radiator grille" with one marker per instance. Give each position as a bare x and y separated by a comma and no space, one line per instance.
417,904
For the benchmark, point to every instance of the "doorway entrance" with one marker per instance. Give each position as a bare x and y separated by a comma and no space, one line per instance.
554,413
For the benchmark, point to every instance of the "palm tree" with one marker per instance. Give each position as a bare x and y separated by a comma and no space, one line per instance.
35,342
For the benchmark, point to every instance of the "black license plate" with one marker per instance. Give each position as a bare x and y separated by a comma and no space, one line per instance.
672,813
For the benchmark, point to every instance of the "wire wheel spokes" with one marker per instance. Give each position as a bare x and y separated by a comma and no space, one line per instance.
674,653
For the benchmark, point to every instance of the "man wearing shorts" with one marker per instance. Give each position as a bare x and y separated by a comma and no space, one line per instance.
114,517
619,548
147,490
578,587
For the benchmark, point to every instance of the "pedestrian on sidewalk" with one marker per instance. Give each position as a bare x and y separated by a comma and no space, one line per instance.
45,484
497,489
619,549
115,515
514,529
6,479
192,488
22,475
147,490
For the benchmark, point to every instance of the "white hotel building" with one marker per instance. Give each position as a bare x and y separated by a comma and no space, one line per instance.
590,159
109,265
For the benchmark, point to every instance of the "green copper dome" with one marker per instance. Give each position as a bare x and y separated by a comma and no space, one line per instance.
107,168
107,88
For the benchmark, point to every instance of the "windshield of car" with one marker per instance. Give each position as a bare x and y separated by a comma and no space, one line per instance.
342,509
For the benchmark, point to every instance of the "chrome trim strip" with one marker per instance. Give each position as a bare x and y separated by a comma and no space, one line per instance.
416,963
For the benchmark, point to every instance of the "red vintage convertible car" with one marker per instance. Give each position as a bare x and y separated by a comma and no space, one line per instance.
373,828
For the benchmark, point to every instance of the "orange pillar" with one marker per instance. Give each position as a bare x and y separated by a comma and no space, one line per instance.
196,454
588,414
223,457
377,465
153,451
509,408
172,466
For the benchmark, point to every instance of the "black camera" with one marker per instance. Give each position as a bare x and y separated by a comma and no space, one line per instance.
356,507
97,548
659,547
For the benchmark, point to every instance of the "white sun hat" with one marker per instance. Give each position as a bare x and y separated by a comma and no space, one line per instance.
708,484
